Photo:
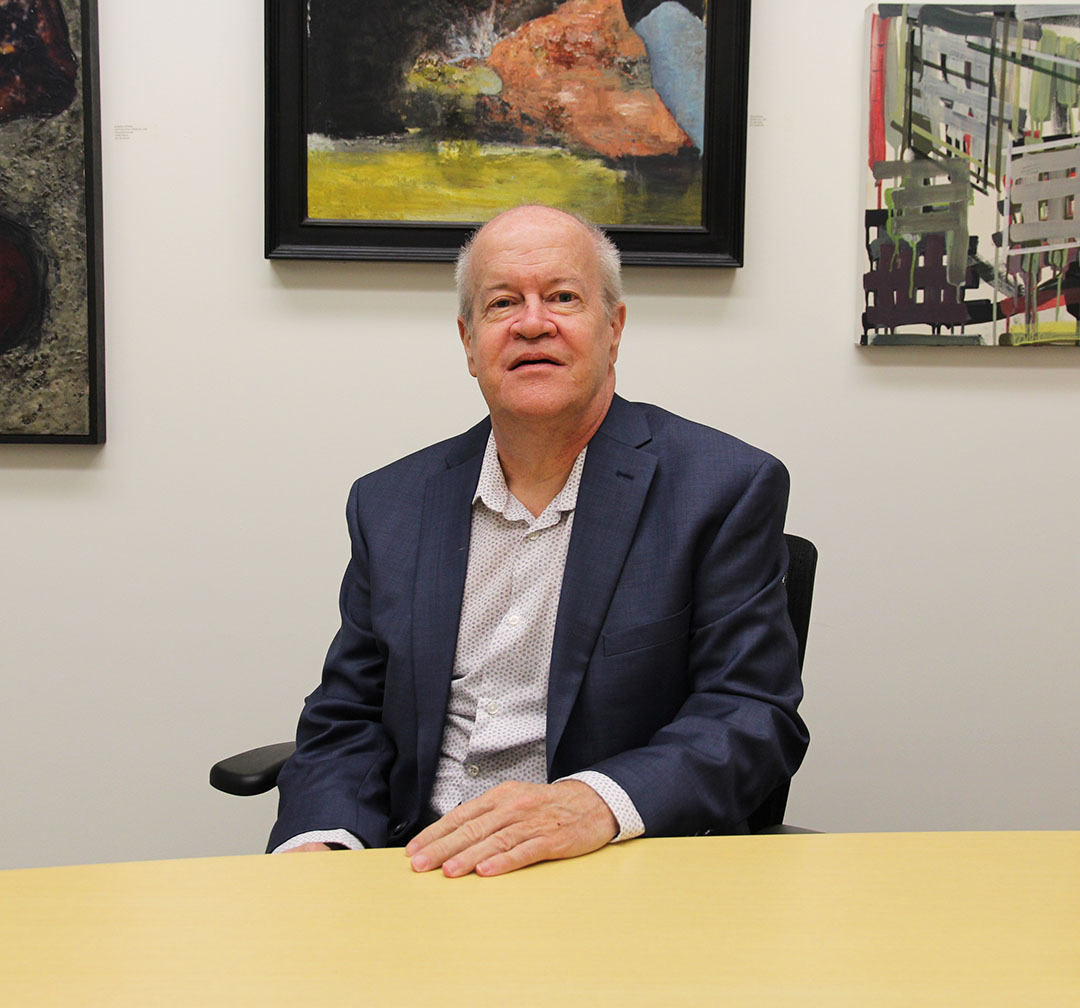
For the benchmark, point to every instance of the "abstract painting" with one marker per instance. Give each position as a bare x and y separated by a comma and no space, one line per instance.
972,222
420,118
51,366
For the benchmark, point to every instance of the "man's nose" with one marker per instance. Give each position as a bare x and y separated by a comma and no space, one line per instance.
532,320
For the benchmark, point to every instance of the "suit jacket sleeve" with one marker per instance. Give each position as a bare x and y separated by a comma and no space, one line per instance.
337,779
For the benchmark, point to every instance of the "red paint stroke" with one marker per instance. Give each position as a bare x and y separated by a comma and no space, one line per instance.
1048,298
879,39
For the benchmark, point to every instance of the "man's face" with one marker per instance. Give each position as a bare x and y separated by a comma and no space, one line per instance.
539,341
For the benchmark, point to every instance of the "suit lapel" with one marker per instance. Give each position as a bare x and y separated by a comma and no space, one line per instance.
443,554
613,488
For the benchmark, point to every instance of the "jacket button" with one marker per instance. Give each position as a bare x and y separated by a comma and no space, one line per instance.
398,828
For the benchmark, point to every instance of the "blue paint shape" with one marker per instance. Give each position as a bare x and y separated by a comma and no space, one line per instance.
675,42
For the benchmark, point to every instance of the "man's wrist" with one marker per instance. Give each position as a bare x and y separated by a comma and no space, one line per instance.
627,819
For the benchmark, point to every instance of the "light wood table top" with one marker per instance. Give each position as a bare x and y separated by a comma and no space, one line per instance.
870,920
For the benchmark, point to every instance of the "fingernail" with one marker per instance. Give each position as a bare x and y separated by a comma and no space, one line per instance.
420,863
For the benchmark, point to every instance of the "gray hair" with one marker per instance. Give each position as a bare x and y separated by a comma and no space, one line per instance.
607,256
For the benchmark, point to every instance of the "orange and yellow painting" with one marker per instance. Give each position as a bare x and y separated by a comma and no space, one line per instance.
432,111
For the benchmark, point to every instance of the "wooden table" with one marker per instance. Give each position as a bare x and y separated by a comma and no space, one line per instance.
870,920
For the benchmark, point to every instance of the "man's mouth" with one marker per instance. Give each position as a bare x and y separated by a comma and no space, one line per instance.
532,362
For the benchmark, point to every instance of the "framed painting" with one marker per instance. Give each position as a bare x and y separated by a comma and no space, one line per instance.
394,127
52,372
972,220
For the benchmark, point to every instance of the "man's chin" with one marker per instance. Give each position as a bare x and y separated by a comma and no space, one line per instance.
529,405
554,400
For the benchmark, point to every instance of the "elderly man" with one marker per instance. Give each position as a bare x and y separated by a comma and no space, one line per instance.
566,626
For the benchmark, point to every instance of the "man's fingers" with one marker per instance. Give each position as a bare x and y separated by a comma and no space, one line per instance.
463,827
523,854
499,843
453,821
468,843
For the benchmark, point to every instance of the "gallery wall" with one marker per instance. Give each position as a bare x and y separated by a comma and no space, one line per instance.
166,599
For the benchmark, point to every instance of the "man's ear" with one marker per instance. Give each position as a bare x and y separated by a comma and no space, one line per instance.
466,342
617,321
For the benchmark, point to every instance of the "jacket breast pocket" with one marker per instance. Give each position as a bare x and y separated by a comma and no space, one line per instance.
661,631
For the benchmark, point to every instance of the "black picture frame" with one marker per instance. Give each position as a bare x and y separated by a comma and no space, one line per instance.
71,409
291,234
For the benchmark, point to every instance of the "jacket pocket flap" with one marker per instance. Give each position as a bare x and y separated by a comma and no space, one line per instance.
648,634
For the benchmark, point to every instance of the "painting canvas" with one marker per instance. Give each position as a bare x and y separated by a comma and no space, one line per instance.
51,369
972,222
419,118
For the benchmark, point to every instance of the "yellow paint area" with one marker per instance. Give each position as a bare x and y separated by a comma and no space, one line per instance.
458,181
1044,332
458,83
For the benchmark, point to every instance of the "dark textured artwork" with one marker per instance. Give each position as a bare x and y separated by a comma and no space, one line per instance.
50,308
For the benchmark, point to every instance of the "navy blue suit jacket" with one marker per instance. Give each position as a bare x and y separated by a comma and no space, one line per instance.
673,669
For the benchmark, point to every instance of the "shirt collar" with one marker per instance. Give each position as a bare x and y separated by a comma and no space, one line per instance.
492,491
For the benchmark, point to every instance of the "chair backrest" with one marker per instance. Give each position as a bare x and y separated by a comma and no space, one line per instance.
802,566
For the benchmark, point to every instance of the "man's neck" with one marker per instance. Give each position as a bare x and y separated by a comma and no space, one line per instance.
537,457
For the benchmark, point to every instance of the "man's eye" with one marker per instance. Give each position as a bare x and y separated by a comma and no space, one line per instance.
501,303
564,297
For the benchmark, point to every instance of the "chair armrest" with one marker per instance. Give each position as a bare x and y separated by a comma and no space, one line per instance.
252,772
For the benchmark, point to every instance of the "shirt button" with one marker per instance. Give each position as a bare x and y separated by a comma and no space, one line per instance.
472,770
513,620
533,536
493,707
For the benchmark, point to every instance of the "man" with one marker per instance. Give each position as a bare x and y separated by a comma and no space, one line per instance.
564,627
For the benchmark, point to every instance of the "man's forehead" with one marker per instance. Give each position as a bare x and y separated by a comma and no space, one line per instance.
550,254
499,279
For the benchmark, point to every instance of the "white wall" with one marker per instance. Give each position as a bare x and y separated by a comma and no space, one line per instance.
167,599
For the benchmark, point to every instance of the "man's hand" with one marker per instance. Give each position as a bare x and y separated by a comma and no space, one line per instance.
514,825
304,847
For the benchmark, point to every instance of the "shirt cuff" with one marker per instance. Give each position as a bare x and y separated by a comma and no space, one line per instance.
616,799
338,836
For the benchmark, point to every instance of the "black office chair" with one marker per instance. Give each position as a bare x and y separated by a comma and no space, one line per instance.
802,566
256,771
